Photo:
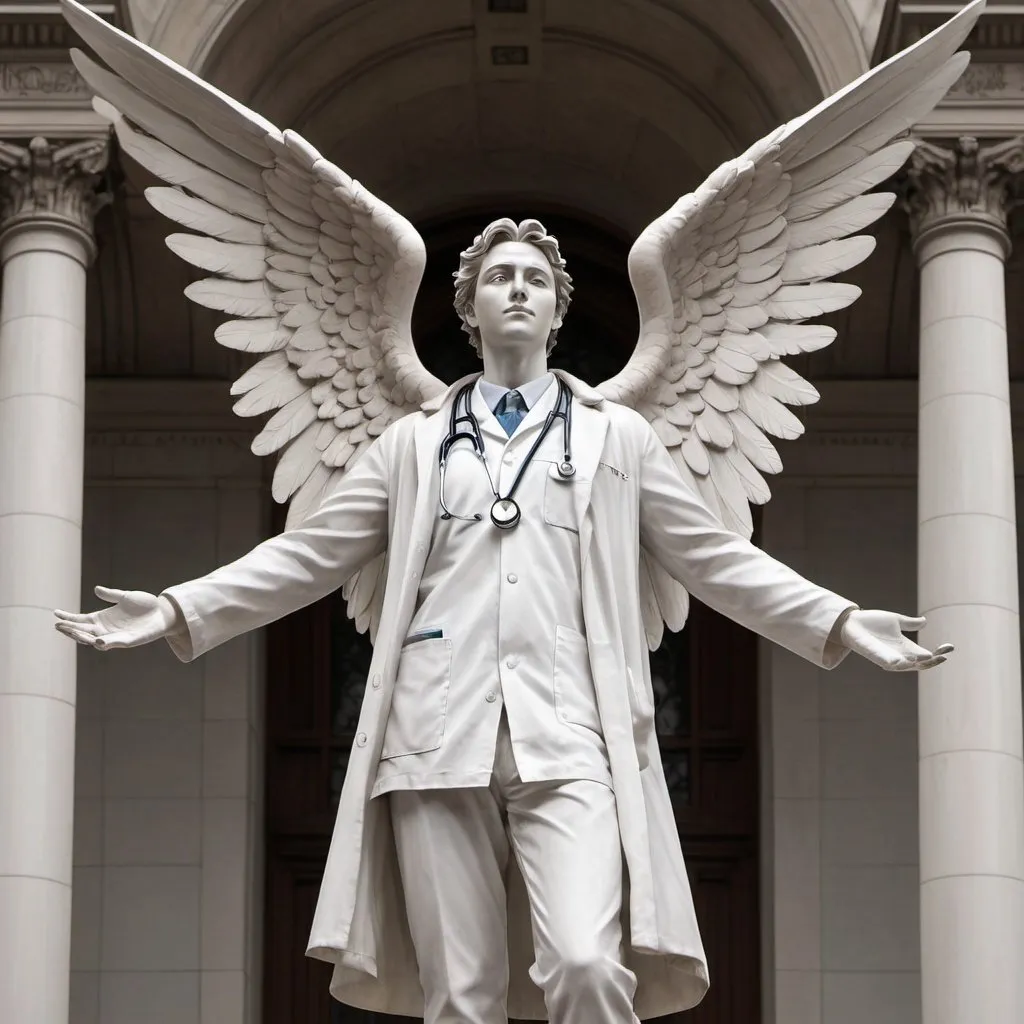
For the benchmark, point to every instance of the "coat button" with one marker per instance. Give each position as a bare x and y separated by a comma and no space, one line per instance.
375,681
491,697
512,662
512,578
361,740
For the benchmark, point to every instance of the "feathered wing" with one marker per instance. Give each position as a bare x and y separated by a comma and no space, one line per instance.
319,274
729,280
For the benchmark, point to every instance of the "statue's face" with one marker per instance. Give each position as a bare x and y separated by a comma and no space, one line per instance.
515,298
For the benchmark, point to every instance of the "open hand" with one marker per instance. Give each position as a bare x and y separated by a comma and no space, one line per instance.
878,636
136,618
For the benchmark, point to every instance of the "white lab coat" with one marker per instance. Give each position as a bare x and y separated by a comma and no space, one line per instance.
626,485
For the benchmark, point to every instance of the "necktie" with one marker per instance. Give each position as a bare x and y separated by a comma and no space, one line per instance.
510,411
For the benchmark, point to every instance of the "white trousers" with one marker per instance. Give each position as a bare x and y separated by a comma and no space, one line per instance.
453,847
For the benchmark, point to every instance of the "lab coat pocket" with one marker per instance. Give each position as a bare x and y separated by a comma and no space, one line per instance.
560,500
573,681
419,705
642,713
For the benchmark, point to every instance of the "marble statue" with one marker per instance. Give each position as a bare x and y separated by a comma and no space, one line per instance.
516,542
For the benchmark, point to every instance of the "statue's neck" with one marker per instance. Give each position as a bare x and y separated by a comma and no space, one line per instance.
511,369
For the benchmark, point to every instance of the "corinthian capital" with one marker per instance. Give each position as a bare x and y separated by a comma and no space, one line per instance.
963,179
54,180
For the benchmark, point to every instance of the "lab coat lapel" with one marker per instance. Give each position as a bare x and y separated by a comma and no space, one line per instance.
589,427
428,444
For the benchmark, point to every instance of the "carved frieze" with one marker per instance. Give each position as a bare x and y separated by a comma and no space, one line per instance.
41,83
963,177
52,178
990,82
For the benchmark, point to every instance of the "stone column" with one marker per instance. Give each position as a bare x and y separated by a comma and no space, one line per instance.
47,200
971,773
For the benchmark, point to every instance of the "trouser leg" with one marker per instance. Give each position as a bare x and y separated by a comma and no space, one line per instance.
565,837
452,853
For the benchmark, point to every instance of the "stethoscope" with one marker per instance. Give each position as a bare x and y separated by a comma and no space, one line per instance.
505,510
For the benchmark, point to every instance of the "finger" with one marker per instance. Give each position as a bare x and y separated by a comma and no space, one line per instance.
944,649
912,623
75,634
928,655
930,663
914,651
72,616
88,628
112,641
108,594
913,664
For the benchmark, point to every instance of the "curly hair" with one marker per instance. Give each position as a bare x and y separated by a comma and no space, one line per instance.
506,230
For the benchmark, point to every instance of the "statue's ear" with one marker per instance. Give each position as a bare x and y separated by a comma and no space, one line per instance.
556,323
470,315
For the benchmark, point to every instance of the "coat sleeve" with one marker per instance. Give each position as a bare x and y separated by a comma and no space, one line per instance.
729,573
293,569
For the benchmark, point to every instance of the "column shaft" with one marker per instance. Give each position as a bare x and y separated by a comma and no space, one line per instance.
42,384
971,771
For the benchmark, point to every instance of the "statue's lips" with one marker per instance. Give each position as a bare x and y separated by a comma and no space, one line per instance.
519,309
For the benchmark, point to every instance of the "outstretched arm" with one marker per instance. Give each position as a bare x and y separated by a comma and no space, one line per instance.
738,579
277,577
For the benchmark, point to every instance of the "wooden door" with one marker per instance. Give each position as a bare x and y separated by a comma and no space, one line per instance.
705,685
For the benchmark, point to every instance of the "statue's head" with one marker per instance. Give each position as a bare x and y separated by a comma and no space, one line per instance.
503,254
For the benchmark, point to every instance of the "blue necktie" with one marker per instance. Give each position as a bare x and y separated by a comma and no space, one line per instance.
510,411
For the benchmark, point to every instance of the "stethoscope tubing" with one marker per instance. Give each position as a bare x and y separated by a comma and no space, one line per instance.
562,411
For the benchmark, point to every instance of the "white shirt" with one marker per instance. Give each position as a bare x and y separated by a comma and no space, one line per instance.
531,393
507,605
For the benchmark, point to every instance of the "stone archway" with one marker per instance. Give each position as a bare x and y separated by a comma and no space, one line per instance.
619,108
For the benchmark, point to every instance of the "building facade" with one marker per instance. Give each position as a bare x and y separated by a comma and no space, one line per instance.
855,839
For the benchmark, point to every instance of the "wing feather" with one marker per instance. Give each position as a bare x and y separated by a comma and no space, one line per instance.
788,339
839,221
803,301
239,298
253,335
826,259
813,196
286,424
199,215
238,260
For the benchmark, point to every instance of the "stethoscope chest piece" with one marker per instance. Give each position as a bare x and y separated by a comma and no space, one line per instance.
566,470
505,513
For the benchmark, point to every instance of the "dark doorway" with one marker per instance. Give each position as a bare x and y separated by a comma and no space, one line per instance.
705,680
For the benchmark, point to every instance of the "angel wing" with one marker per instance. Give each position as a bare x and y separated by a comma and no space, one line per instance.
320,275
728,277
